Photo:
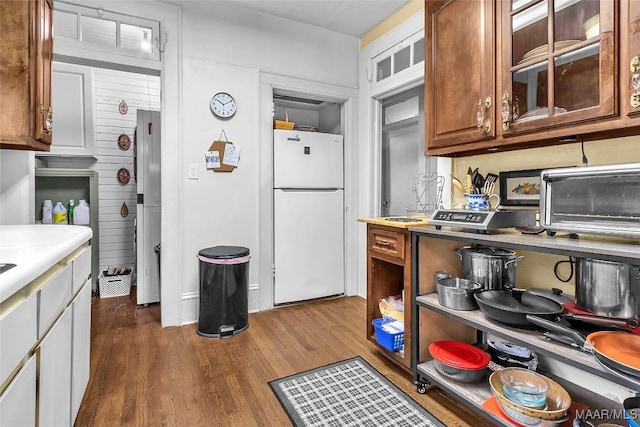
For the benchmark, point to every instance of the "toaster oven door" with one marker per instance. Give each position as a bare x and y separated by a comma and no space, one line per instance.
594,200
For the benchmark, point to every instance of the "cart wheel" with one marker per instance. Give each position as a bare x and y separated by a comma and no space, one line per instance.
422,388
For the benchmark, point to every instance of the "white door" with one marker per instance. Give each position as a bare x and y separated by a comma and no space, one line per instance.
308,244
399,150
148,212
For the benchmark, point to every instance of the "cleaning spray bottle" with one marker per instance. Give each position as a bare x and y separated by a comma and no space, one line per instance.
59,214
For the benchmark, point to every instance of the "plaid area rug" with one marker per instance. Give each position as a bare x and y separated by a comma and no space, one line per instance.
348,393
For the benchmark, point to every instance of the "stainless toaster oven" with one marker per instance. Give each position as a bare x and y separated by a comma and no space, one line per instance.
592,199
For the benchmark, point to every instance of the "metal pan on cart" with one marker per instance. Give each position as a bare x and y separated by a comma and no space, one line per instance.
616,350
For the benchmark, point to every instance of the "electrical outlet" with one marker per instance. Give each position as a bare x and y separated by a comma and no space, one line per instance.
193,171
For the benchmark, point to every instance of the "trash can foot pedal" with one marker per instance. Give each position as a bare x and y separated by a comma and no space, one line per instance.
226,330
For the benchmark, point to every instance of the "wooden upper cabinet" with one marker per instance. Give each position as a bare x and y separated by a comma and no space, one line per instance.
566,70
26,50
558,63
460,72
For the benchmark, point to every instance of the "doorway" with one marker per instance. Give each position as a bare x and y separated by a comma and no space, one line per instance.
402,152
147,168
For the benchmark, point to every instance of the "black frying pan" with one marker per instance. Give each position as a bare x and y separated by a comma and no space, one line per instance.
511,307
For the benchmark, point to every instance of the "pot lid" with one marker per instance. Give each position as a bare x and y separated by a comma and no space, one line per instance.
488,251
458,354
555,294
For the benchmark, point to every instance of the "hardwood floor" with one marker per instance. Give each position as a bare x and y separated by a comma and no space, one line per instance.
146,375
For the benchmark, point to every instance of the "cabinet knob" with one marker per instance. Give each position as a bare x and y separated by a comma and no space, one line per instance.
487,126
634,64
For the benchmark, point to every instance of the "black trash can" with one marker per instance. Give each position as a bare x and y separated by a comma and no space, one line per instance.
224,285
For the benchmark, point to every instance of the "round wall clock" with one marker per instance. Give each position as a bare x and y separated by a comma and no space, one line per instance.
223,105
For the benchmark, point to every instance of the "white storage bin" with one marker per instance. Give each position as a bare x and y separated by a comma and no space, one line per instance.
114,286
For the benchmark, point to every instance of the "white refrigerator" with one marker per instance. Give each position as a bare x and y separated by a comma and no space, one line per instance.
308,215
148,207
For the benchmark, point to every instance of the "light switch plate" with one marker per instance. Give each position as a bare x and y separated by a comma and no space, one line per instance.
192,172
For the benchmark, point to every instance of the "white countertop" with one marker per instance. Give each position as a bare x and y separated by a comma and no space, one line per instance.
35,249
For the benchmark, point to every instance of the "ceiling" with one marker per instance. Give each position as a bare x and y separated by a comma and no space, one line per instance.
350,17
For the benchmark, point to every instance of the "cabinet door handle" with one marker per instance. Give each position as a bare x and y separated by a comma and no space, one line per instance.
634,66
47,121
505,110
480,117
383,243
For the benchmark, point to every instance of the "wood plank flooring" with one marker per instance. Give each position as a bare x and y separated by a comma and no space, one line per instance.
146,375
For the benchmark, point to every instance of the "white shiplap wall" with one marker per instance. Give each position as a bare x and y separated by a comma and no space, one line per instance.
139,92
110,88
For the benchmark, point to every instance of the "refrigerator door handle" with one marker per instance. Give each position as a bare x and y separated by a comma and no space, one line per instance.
296,138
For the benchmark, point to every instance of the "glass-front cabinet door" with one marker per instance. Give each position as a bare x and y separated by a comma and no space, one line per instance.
558,63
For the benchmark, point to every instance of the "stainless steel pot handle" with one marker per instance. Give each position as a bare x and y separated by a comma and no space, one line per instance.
516,259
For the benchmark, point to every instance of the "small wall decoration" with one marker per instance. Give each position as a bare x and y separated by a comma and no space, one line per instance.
222,156
124,142
123,108
124,210
123,176
520,188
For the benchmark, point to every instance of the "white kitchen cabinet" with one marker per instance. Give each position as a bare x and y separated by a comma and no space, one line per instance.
45,325
18,332
81,346
18,401
54,296
54,392
81,269
73,100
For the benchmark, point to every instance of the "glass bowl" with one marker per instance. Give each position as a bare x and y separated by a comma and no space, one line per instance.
526,394
525,387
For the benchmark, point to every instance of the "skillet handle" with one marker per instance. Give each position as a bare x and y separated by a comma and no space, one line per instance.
555,327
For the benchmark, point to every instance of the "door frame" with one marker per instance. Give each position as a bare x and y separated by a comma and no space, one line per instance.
346,96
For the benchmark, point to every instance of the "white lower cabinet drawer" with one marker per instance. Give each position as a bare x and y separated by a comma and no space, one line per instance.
54,297
81,269
18,334
18,402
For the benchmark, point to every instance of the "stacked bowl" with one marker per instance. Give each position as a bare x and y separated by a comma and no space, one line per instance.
530,398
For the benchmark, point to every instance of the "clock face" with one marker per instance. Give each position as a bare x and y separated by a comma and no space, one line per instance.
223,105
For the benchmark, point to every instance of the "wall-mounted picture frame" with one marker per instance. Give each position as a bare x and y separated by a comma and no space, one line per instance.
520,188
124,142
